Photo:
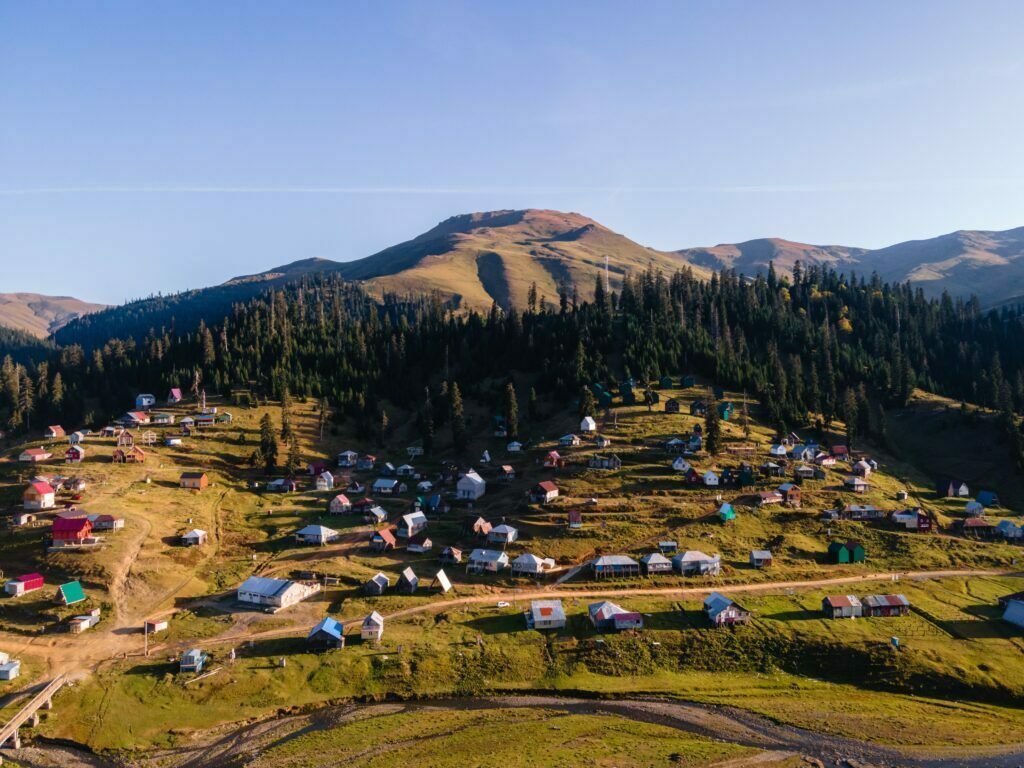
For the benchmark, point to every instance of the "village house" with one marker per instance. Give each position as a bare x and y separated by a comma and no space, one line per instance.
72,532
69,594
274,593
724,612
508,473
385,486
205,419
514,447
979,528
78,624
441,582
486,561
375,515
10,669
347,459
530,565
862,512
1010,531
604,462
411,524
387,469
194,538
405,470
75,454
106,522
54,433
914,519
162,419
805,472
568,441
477,526
760,558
672,405
711,479
34,455
383,540
545,614
339,505
503,535
614,567
21,585
587,425
861,469
372,629
856,484
174,396
654,563
790,494
364,505
974,508
575,519
130,455
698,408
414,451
952,489
470,486
696,563
885,605
553,460
328,633
841,553
675,445
194,480
825,460
988,498
607,615
315,534
325,481
408,582
1014,612
419,545
451,556
377,585
282,485
840,451
145,401
135,418
767,498
39,495
366,462
841,607
152,626
679,464
544,492
726,512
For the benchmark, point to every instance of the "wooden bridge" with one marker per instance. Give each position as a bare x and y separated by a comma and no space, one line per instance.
9,737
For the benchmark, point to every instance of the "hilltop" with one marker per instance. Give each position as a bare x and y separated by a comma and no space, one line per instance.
41,315
479,258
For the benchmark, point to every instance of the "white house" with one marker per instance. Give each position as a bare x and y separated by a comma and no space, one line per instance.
347,459
471,486
679,464
385,486
411,524
514,447
194,538
486,561
325,481
145,401
546,614
372,628
340,505
568,440
315,534
502,534
38,496
406,470
588,425
531,565
274,593
710,479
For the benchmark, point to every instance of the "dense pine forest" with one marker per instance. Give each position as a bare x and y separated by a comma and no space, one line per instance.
818,347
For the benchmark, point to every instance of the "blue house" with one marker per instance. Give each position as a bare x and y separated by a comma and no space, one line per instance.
192,661
988,498
329,633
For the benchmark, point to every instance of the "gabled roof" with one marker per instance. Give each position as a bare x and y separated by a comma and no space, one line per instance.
386,535
328,626
71,525
265,586
488,556
381,580
655,558
72,592
606,560
886,601
373,620
409,576
842,601
316,530
41,487
546,485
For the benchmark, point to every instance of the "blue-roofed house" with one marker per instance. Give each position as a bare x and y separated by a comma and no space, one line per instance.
328,633
192,660
988,498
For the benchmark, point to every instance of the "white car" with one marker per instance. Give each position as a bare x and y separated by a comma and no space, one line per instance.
504,604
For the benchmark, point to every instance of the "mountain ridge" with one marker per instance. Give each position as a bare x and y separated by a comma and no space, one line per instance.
41,315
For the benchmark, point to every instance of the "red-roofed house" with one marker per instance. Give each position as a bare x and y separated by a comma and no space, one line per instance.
39,495
71,532
54,432
544,492
34,455
174,396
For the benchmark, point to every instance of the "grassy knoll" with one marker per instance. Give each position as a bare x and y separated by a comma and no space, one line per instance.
528,737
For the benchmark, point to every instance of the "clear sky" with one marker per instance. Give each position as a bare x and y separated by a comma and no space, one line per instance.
157,146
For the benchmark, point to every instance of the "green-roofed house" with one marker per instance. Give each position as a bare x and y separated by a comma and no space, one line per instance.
726,512
70,593
725,411
841,553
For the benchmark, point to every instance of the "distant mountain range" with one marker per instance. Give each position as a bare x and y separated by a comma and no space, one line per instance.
475,259
41,315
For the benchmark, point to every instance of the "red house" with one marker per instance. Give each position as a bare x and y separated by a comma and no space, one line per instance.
69,532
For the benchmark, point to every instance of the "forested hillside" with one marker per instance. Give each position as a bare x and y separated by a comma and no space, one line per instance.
819,347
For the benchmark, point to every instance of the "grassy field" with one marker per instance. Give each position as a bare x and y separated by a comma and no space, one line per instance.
518,737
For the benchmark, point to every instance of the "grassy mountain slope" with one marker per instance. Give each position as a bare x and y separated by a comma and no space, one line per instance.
753,255
478,258
41,315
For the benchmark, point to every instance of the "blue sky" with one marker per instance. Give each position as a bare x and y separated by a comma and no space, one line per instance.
149,147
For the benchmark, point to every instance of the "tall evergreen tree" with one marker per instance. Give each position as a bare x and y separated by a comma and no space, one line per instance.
457,417
511,413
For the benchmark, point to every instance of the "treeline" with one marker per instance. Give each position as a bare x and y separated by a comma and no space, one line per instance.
820,347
